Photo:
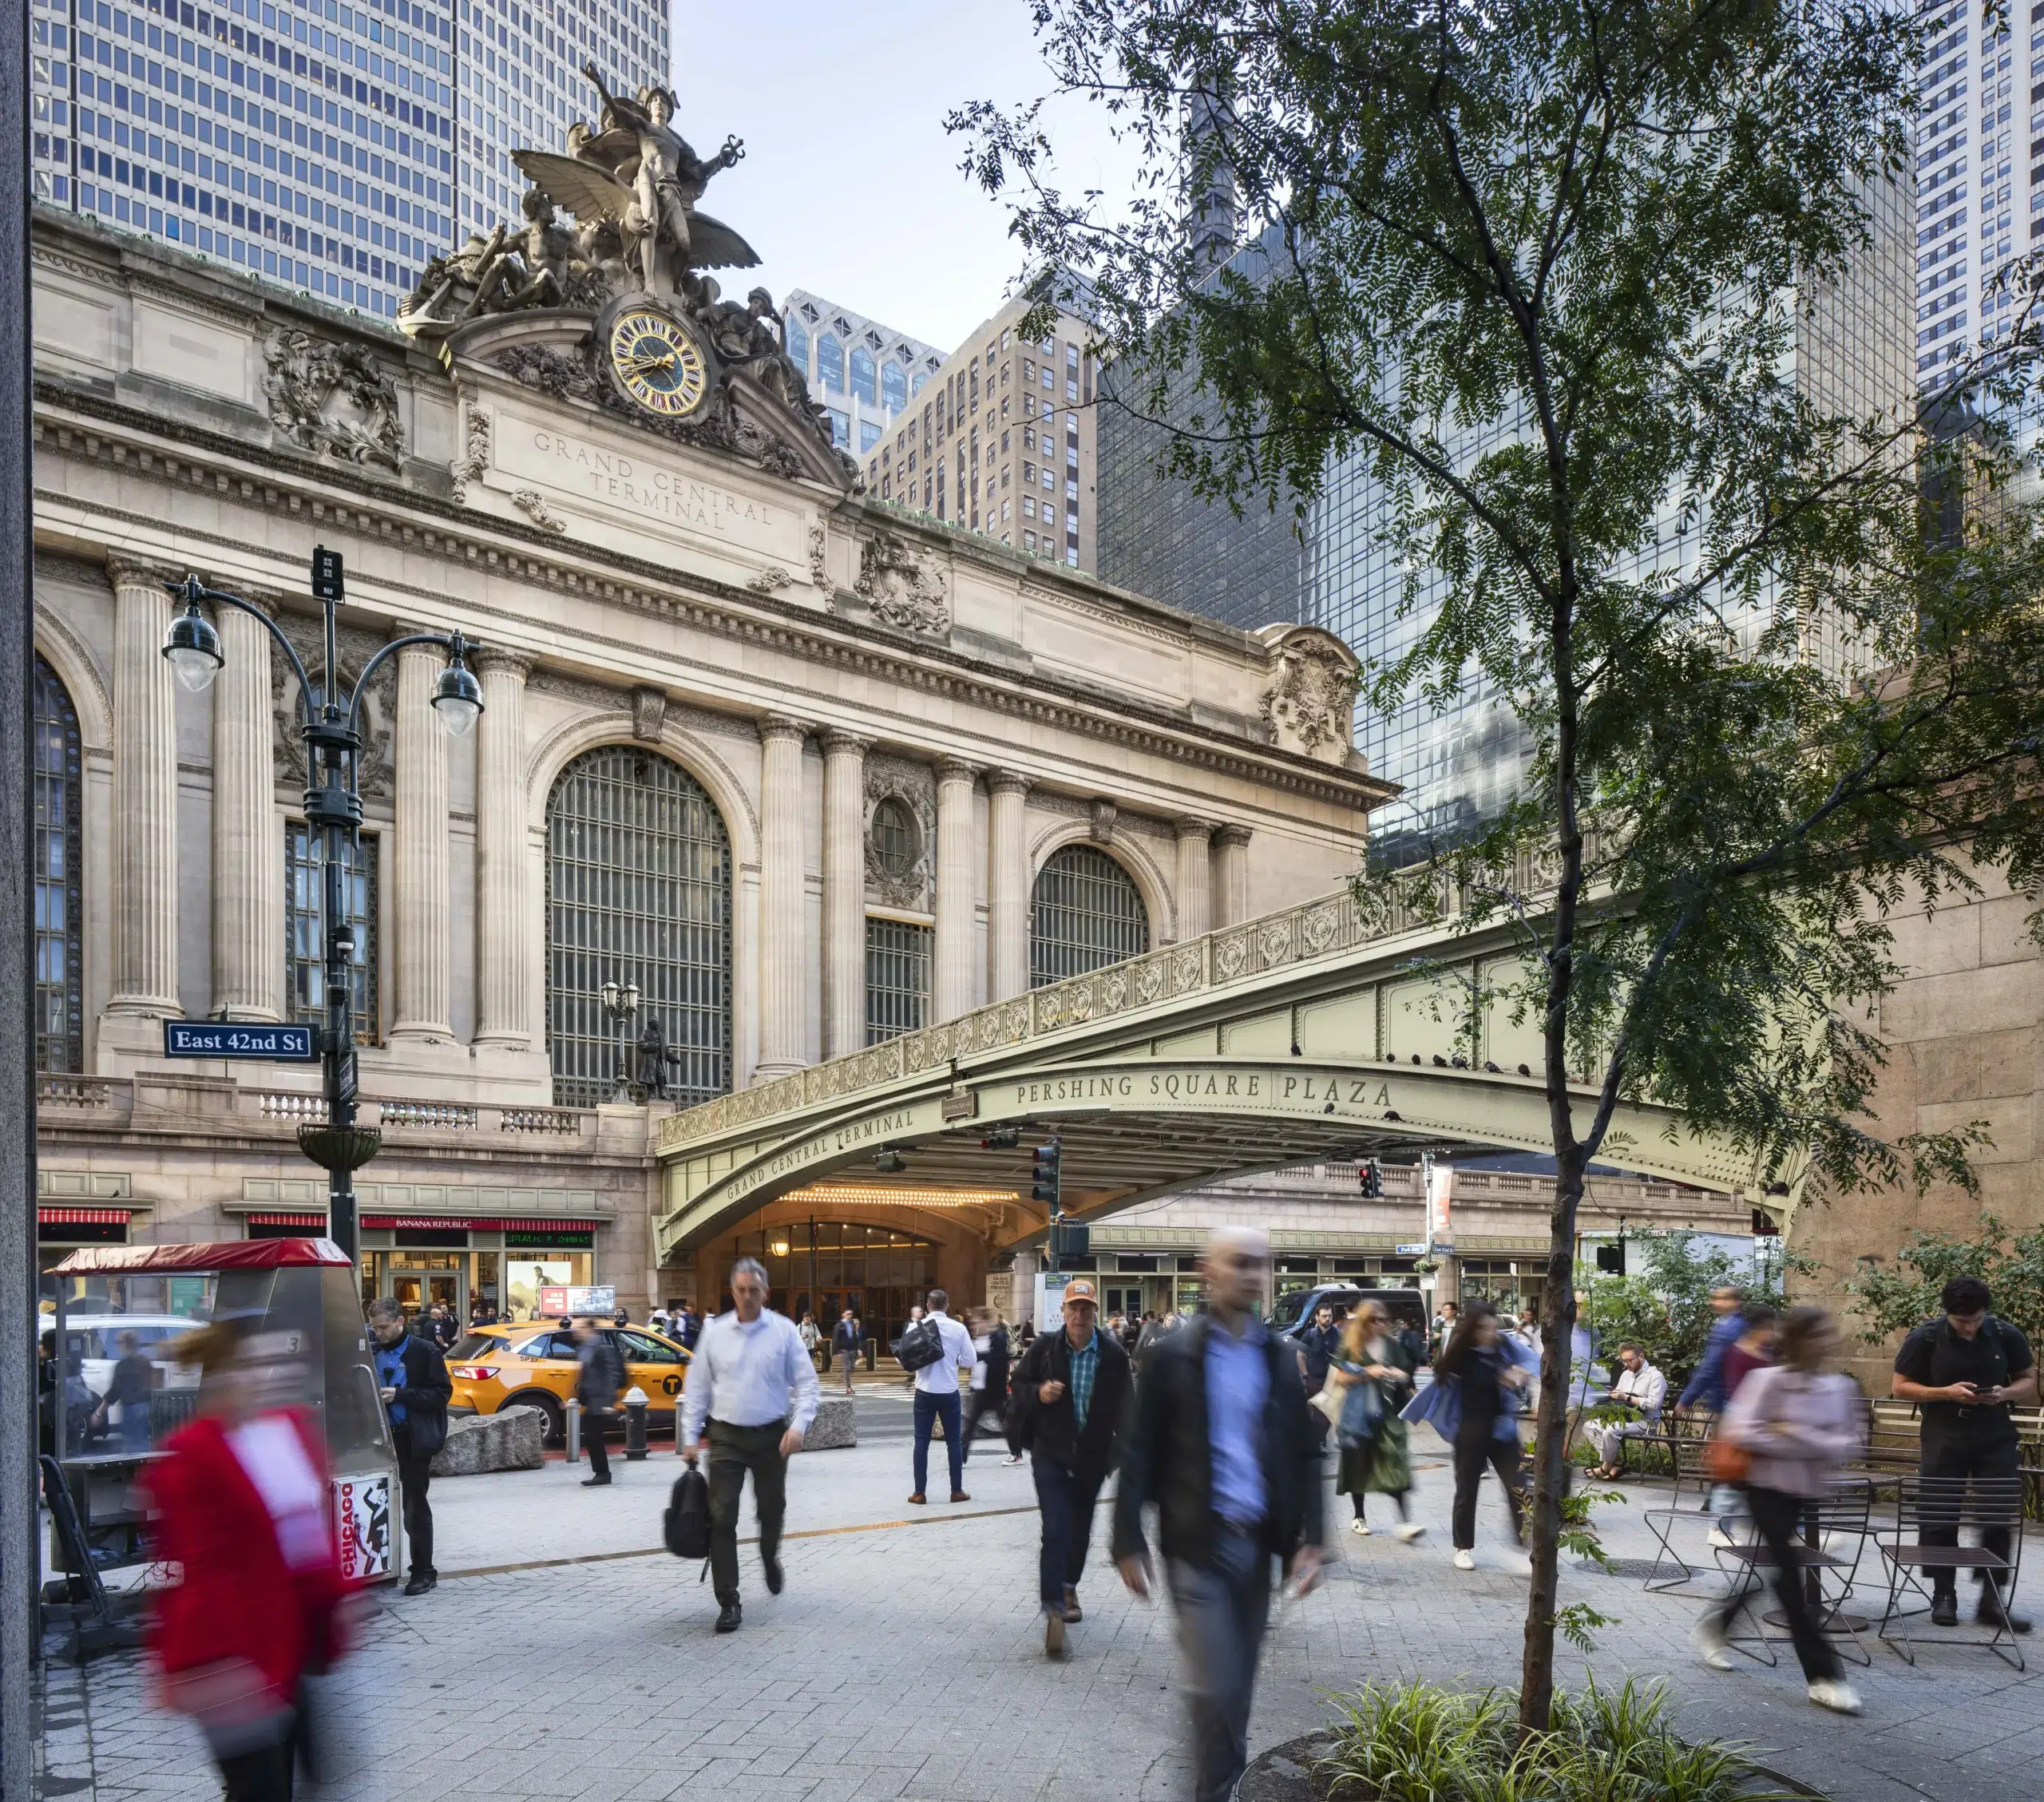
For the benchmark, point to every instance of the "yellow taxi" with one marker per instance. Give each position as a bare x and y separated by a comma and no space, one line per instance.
533,1364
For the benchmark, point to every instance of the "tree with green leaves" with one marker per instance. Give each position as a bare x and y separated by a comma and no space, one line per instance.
1568,279
1892,1298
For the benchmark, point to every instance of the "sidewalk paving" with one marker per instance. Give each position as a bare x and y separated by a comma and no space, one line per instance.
904,1660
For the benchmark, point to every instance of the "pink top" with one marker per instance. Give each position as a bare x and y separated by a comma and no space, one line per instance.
1799,1427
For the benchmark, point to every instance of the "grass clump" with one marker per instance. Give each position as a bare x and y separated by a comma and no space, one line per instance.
1414,1742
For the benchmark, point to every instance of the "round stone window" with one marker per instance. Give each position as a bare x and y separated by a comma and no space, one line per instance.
896,841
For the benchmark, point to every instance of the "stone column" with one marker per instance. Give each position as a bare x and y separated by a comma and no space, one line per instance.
503,1015
145,799
1196,885
420,911
1008,885
844,892
249,851
1231,859
780,896
956,899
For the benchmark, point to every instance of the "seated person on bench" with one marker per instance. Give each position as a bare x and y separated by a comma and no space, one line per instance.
1641,1389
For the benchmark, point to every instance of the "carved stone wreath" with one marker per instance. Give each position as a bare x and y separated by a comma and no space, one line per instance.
379,706
903,588
332,398
1310,701
573,375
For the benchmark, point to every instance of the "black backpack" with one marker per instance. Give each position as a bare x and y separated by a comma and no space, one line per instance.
685,1526
921,1345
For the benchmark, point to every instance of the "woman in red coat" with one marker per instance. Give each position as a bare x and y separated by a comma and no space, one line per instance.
240,1504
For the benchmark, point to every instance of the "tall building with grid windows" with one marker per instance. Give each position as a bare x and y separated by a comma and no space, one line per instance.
329,147
864,373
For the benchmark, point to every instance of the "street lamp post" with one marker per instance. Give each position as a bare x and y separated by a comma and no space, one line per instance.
620,1006
332,736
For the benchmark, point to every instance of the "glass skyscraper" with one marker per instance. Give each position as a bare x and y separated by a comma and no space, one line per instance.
331,148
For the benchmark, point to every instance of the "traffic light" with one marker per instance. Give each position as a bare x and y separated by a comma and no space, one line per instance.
1001,1138
1043,1178
1373,1175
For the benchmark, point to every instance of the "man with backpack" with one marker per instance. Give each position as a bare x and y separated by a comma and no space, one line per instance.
599,1376
934,1349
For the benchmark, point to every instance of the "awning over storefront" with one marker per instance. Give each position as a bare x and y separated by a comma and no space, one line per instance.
479,1222
309,1222
83,1217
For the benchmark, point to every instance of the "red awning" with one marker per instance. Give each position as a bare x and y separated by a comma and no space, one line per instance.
314,1223
480,1223
237,1254
81,1217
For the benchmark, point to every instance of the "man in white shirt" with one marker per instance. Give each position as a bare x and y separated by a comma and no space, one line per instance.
747,1363
937,1398
1639,1386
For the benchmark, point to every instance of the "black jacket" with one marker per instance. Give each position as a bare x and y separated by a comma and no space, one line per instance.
1318,1346
424,1395
997,1362
600,1374
848,1337
1168,1458
1053,1431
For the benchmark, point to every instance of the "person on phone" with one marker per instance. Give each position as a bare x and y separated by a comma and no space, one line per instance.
1640,1390
1963,1370
1222,1444
412,1379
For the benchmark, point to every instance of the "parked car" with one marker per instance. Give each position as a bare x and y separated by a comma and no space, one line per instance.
94,1341
1294,1312
531,1364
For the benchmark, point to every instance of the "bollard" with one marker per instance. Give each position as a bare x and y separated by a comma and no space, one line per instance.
574,1430
634,1423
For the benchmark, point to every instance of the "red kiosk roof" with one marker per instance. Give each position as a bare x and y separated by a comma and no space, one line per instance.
231,1254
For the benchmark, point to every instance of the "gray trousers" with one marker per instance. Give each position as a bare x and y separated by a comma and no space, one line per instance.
1223,1613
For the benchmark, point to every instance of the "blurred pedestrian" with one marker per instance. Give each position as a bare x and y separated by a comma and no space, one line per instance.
748,1365
1372,1370
133,1380
599,1377
1443,1328
413,1381
937,1398
1221,1446
1488,1382
915,1319
1800,1423
1640,1390
1752,1350
1318,1342
1963,1370
989,1379
1072,1391
847,1341
238,1508
1706,1388
688,1326
806,1330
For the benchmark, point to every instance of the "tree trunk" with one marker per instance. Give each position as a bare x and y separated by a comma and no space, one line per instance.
1543,1517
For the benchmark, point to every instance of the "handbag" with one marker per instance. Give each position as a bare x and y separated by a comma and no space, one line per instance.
1327,1400
685,1525
1724,1462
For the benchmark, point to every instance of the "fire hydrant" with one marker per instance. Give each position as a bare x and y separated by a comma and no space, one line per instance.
634,1423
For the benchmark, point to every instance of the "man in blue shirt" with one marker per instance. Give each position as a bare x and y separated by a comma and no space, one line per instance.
1223,1445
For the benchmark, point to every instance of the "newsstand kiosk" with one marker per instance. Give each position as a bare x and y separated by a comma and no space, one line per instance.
302,1292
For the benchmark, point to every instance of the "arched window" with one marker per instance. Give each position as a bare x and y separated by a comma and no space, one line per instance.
862,380
58,872
831,361
639,890
798,341
894,386
1084,912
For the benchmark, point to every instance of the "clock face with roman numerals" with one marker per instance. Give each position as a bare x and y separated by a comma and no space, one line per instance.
658,363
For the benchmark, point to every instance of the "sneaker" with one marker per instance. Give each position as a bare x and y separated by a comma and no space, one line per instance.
423,1582
1708,1637
1359,1528
1722,1540
1836,1694
1408,1530
1053,1633
1465,1561
1016,1459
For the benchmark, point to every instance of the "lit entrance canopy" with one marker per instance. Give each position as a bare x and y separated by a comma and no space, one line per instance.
1305,1036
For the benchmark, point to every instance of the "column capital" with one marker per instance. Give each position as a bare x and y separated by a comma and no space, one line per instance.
773,726
837,739
411,628
1008,782
956,769
1188,827
490,660
1233,837
123,571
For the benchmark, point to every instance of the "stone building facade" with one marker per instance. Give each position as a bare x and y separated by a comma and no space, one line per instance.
805,770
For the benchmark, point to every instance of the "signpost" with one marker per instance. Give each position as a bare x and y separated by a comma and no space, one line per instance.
238,1039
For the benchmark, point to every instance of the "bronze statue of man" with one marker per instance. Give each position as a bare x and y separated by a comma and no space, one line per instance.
671,177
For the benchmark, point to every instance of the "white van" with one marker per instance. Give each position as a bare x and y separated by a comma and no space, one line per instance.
94,1342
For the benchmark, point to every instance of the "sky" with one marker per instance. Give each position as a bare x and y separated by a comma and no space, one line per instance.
850,186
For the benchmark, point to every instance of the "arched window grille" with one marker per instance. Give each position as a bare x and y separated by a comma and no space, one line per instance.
639,890
1085,912
58,872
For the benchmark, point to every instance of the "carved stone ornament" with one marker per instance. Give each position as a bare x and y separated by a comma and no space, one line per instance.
649,714
886,779
1310,702
1103,813
900,586
769,581
474,463
819,564
332,397
378,705
531,503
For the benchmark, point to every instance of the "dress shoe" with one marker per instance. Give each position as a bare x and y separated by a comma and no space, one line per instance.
960,1495
595,1483
422,1583
1992,1613
772,1567
1053,1633
1944,1609
728,1617
1073,1613
919,1499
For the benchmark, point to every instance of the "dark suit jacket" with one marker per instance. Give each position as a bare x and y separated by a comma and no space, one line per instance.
850,1338
424,1394
1168,1458
1052,1432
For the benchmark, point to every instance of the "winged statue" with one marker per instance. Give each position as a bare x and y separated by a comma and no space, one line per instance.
593,194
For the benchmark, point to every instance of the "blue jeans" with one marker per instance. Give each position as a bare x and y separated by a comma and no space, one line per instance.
1066,1503
1222,1612
929,1410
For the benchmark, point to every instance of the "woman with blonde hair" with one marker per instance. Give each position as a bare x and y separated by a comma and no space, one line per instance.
1372,1372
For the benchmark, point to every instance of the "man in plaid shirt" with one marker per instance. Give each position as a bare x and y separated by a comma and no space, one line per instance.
1071,1396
